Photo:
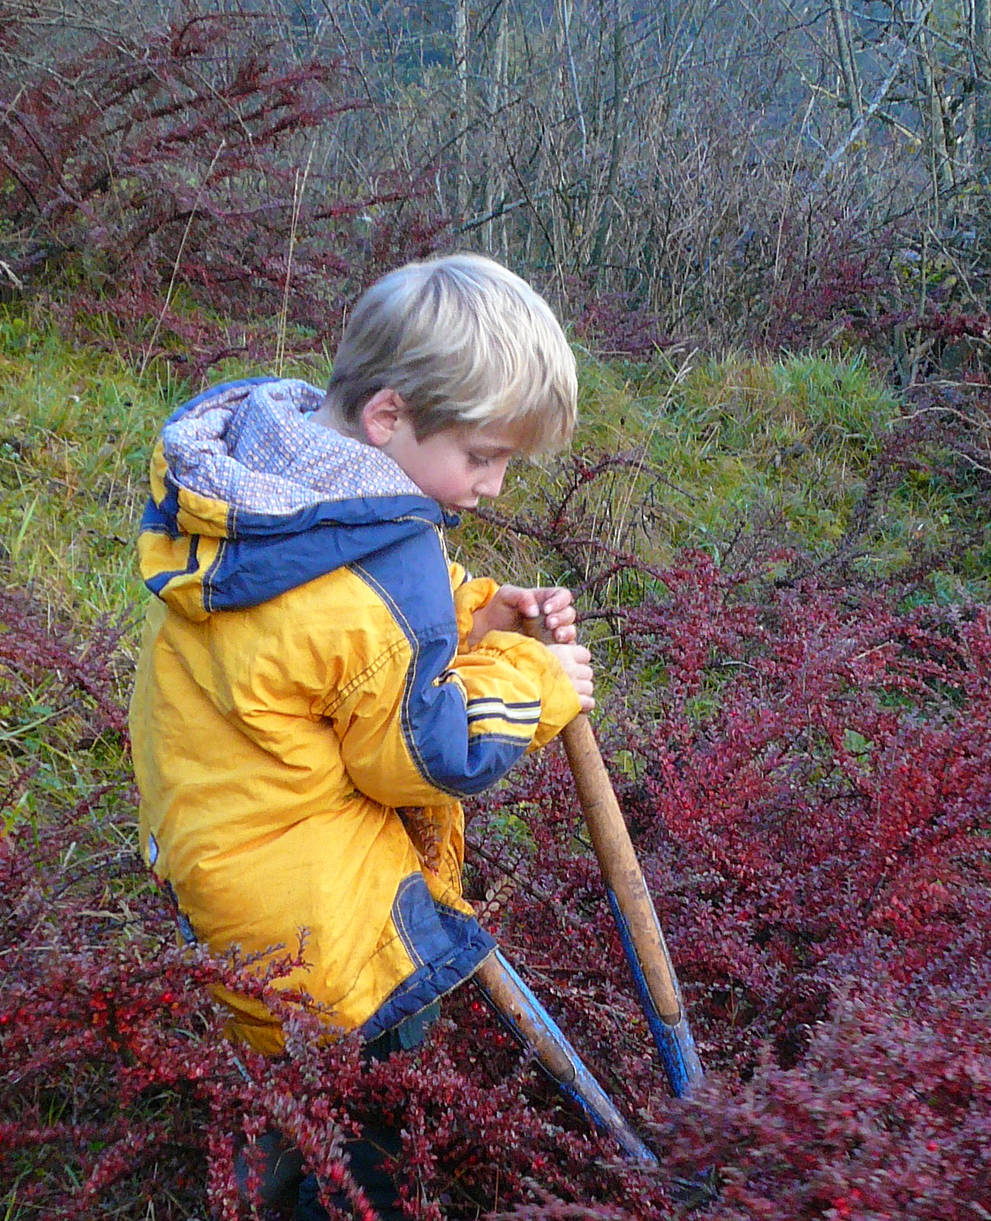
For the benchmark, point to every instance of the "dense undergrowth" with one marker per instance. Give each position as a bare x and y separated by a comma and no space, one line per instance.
796,714
806,772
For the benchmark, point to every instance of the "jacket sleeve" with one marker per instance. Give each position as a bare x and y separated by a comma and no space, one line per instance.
470,595
429,721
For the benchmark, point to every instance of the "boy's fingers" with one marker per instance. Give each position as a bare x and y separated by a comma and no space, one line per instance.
559,615
522,602
555,599
526,602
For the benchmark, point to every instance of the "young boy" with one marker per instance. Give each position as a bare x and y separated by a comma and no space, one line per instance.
318,686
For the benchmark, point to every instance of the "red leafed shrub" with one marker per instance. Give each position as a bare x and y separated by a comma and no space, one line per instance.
614,323
806,773
807,779
178,174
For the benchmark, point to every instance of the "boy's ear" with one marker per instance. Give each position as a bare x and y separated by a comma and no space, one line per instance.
381,415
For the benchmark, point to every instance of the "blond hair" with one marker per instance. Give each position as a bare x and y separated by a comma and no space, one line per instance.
462,340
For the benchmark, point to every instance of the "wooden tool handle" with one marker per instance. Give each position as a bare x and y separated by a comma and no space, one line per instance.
617,858
632,906
620,867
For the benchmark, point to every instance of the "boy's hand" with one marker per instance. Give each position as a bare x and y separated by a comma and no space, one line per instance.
511,607
576,658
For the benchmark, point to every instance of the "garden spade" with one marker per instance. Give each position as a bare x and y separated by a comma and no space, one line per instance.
532,1025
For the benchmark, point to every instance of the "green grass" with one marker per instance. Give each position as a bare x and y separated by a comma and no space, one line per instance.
796,436
73,453
721,445
731,443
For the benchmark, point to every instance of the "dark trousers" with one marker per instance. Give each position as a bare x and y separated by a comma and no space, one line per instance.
367,1156
377,1142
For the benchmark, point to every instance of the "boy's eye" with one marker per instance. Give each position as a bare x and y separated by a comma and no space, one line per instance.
477,460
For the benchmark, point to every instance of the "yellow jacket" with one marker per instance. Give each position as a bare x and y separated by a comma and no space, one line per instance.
306,711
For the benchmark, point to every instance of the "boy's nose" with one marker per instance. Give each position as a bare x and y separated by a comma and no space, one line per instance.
492,479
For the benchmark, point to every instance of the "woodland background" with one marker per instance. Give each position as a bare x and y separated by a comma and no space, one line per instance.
768,228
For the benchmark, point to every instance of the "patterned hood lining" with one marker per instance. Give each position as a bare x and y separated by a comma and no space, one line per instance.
254,446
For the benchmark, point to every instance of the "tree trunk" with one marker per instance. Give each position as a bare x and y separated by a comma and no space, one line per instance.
616,145
848,68
496,234
851,82
933,117
982,88
461,117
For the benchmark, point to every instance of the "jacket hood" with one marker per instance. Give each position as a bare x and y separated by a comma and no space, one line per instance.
250,498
